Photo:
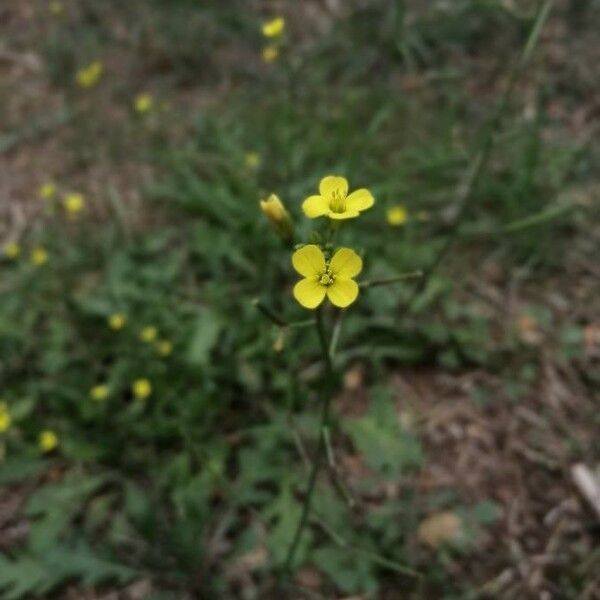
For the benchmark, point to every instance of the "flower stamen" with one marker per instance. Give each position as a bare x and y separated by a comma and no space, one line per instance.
337,203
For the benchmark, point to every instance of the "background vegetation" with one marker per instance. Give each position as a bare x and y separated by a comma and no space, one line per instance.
467,395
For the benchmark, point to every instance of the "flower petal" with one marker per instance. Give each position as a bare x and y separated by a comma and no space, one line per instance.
315,206
360,200
309,261
342,292
345,264
309,293
332,183
341,216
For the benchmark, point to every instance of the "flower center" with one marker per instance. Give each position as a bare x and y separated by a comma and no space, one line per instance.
337,202
326,278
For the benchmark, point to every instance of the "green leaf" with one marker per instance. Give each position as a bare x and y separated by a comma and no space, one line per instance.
205,334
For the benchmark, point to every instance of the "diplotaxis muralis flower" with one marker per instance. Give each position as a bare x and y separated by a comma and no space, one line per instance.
5,418
12,250
276,212
89,76
143,103
47,441
148,334
39,256
274,27
333,278
333,200
270,53
117,321
141,389
73,204
99,392
397,215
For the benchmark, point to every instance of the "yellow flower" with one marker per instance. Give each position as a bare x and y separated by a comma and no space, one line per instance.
273,28
89,76
270,53
141,389
47,191
334,202
117,321
333,278
56,8
143,103
164,347
275,211
397,215
39,256
47,441
252,160
73,204
148,334
99,392
5,418
12,250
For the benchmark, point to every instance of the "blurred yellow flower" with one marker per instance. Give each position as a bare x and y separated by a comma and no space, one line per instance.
141,389
56,8
12,250
117,321
275,211
321,278
5,418
274,27
148,334
397,215
143,103
47,191
334,202
39,256
47,441
252,160
89,76
270,53
99,392
73,204
164,347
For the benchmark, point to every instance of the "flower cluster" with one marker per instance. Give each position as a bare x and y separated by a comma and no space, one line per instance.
273,31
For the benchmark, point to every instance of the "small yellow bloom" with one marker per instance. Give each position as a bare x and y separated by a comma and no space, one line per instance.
56,8
334,202
117,321
73,204
270,53
47,191
279,342
12,250
148,334
321,278
275,211
252,160
273,28
164,347
141,389
5,418
89,76
99,392
397,215
47,441
39,256
143,103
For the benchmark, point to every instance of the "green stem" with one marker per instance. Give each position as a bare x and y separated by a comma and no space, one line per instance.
320,451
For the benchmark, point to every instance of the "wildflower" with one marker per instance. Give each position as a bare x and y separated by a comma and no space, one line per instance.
164,347
99,392
56,8
5,418
279,341
73,204
141,389
148,334
47,441
252,160
12,250
273,28
143,103
117,321
397,215
39,256
89,76
333,278
275,211
47,191
334,202
270,53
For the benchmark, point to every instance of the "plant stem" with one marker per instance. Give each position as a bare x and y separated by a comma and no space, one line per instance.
326,395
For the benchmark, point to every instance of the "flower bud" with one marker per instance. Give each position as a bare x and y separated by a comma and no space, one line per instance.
275,211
